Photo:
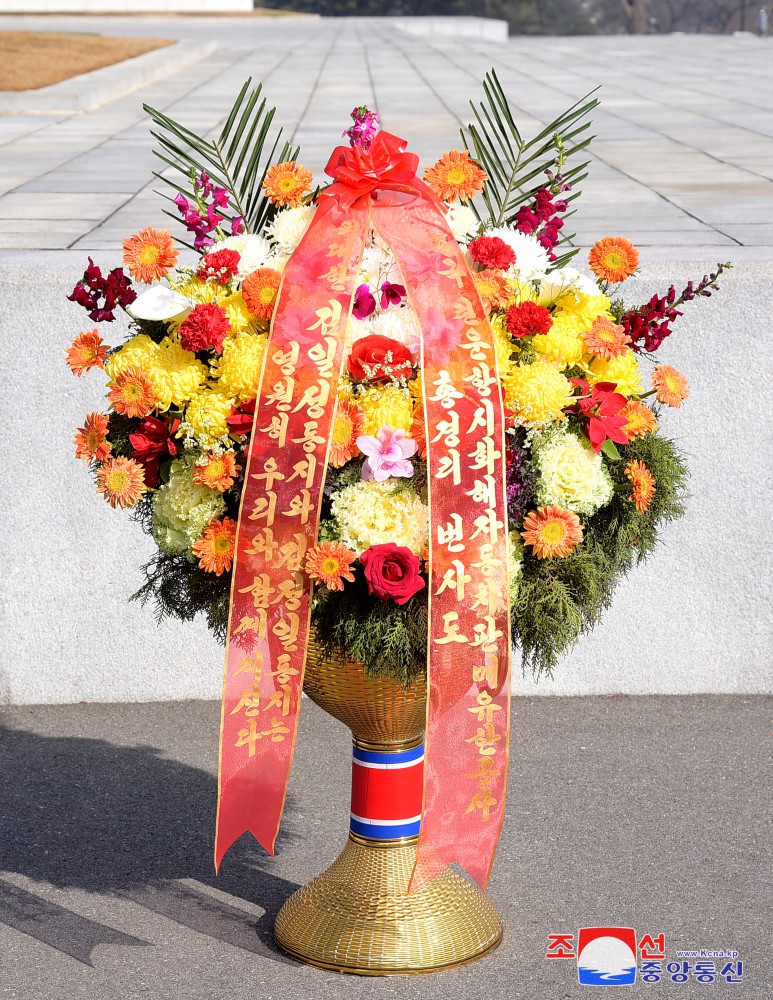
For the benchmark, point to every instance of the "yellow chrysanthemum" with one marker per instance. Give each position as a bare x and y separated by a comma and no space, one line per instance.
537,393
563,342
237,370
622,370
584,308
135,353
388,406
196,290
177,375
502,342
239,316
206,416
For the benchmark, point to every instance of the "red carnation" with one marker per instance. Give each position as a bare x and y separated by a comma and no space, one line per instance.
491,251
377,359
392,572
222,265
527,319
152,441
205,328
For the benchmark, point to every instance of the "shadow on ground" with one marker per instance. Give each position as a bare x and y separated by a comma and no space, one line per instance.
87,814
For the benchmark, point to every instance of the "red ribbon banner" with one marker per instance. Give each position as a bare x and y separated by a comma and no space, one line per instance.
468,639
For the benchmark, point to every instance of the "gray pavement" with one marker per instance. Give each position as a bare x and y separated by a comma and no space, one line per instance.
683,160
651,812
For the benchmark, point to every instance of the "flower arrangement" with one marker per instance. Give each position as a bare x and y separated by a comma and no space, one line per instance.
590,479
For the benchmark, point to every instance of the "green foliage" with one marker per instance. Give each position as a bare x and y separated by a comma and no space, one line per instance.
119,428
181,590
560,600
387,638
515,165
236,160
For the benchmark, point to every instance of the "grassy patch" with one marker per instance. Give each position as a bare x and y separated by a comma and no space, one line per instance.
33,59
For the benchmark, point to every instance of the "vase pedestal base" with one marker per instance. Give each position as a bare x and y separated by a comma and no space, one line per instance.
358,917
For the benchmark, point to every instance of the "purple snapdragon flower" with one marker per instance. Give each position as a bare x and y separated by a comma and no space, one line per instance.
366,125
388,454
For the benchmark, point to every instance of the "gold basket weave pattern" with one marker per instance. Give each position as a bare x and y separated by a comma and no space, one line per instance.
358,916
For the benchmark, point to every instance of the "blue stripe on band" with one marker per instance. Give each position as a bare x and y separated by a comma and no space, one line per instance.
377,832
377,757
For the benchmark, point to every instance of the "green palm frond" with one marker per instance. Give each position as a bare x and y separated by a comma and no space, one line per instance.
516,166
236,160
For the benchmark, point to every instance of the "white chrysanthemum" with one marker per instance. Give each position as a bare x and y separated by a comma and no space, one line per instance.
399,323
552,286
288,228
531,258
371,513
572,475
254,251
378,266
462,222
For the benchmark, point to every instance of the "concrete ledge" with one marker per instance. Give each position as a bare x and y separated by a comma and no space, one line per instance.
100,86
694,619
487,28
129,6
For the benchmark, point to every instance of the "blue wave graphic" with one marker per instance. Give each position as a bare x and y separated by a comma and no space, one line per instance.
597,977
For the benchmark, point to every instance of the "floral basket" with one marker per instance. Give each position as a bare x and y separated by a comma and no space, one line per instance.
379,432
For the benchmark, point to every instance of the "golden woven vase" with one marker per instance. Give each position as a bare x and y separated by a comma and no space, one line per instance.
357,916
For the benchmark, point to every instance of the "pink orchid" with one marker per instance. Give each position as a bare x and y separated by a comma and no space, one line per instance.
364,302
388,454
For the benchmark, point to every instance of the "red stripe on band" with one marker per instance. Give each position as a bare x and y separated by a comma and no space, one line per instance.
394,793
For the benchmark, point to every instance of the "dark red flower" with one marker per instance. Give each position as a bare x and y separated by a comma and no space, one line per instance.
205,329
491,251
601,406
222,265
151,442
391,295
115,288
392,572
527,319
376,359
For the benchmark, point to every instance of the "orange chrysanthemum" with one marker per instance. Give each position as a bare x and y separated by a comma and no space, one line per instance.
552,532
219,473
605,339
641,419
613,258
455,176
347,426
259,291
331,564
132,393
87,351
150,254
670,386
215,548
492,288
643,483
122,481
91,442
287,184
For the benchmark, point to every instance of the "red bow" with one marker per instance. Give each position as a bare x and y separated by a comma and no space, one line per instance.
384,165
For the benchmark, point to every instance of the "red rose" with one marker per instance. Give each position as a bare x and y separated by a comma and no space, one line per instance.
376,359
528,318
491,251
205,328
392,572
